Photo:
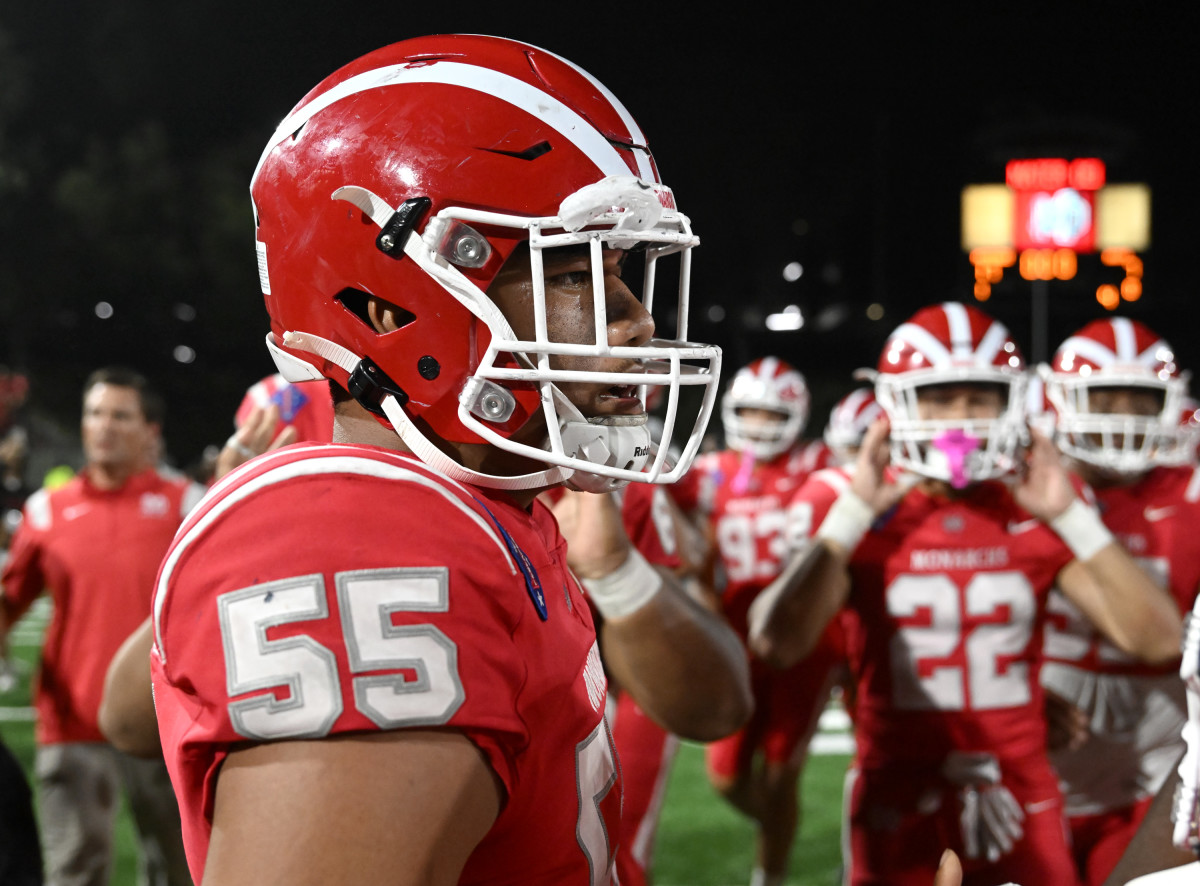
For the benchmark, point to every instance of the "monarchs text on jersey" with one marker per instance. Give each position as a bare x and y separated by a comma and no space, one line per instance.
334,589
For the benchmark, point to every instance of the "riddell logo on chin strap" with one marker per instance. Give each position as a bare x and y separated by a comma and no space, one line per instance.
639,451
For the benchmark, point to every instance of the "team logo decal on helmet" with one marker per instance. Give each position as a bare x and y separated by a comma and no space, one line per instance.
767,383
1117,353
371,188
952,343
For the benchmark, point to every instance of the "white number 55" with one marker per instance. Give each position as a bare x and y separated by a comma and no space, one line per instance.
309,671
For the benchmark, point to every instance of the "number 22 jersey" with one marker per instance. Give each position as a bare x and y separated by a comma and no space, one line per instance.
945,620
329,589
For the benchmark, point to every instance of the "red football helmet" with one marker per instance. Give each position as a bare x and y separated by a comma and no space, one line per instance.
848,423
952,343
413,174
767,383
1188,436
1117,353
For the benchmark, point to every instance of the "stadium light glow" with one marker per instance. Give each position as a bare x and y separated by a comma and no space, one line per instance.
787,320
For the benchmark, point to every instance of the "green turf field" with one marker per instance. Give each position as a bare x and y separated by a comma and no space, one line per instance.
701,841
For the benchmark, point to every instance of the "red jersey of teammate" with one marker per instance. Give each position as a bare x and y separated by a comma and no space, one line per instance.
945,613
306,406
646,514
431,613
746,504
96,552
1155,519
644,748
1135,710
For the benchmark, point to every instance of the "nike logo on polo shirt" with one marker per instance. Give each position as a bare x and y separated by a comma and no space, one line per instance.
1024,526
1153,514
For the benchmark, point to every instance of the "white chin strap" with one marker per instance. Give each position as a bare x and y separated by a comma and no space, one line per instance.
623,441
423,449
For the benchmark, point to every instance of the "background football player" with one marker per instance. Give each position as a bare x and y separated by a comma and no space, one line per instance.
740,496
370,659
1116,394
849,421
944,568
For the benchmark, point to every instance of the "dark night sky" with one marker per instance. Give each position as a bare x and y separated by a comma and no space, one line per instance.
857,129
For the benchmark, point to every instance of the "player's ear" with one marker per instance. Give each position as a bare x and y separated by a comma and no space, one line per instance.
385,316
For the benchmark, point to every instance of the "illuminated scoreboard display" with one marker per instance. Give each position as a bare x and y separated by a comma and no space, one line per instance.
1048,212
1054,203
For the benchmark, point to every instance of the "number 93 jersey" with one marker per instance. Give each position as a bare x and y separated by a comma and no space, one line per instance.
945,620
327,589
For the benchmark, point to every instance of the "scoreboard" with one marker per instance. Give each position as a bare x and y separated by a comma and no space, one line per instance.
1048,212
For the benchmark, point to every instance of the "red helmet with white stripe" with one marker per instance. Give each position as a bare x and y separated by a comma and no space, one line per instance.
771,384
943,344
848,423
412,174
1118,354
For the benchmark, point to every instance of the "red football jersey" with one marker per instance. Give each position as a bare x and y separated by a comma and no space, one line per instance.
646,514
1156,519
945,623
96,553
746,504
1135,710
413,601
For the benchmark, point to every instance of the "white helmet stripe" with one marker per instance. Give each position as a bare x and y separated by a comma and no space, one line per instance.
767,368
1090,350
854,401
991,343
960,330
924,341
528,98
635,132
1125,339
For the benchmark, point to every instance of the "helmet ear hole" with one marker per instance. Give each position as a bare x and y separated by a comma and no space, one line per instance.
355,301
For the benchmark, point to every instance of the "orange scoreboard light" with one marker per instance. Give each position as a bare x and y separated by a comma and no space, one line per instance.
1049,211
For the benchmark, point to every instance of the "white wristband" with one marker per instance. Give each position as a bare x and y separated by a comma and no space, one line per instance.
626,589
847,521
1081,528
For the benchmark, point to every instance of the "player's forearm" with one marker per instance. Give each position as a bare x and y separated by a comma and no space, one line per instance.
1116,594
1142,619
682,664
787,619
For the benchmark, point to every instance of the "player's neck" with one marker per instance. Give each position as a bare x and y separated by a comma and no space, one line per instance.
111,476
355,425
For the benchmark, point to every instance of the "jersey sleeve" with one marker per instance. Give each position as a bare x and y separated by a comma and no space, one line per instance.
688,491
646,513
270,629
810,504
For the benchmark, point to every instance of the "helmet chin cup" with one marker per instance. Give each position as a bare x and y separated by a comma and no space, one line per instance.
621,442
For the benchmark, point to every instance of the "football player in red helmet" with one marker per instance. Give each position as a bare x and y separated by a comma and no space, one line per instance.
370,658
943,560
849,421
1116,394
739,495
